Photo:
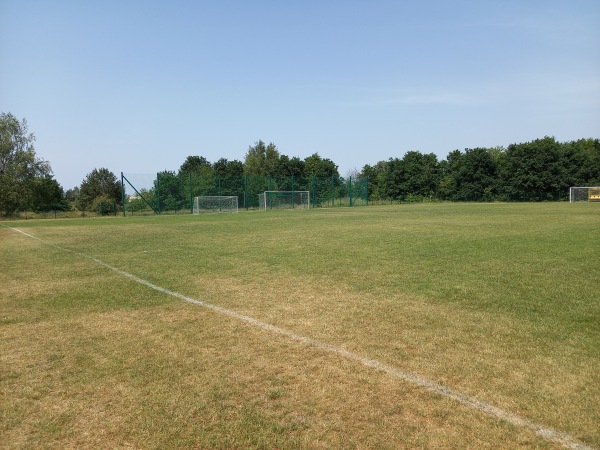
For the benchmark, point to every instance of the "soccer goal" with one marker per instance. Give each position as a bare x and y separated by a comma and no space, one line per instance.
584,194
284,199
215,203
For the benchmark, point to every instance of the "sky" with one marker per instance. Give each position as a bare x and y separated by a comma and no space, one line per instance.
138,86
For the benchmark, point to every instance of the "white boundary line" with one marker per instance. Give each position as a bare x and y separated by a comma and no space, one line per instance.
547,433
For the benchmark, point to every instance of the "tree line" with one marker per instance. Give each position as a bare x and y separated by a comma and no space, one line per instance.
539,170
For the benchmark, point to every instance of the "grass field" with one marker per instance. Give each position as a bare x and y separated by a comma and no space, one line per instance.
497,302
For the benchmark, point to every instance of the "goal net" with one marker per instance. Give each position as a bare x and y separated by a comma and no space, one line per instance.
215,203
284,199
584,194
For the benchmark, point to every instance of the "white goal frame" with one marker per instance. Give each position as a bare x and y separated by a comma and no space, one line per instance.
584,194
215,203
292,199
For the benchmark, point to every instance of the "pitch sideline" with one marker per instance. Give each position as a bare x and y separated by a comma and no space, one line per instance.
550,434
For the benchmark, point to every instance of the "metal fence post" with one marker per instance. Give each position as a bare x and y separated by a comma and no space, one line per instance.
191,195
123,193
350,191
158,192
332,193
246,191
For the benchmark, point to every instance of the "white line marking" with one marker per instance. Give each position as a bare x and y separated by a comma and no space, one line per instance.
547,433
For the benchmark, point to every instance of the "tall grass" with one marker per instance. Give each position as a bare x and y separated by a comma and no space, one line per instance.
498,301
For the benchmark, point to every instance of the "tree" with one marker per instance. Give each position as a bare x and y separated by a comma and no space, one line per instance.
197,165
230,180
261,160
477,175
99,186
392,179
416,176
47,195
376,176
420,174
580,163
72,194
172,191
594,176
531,170
287,167
227,169
19,164
315,166
448,184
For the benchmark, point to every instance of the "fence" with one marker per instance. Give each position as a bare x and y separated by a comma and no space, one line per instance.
167,192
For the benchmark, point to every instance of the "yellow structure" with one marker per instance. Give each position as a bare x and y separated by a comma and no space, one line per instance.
594,195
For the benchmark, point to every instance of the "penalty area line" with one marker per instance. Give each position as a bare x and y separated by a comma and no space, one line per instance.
549,434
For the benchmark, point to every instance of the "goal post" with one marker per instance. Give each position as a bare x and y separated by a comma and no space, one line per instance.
584,194
215,203
284,200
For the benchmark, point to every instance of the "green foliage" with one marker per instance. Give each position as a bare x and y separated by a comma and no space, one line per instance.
534,171
72,194
539,170
420,174
287,167
580,163
196,164
476,175
169,186
104,205
376,176
47,195
414,177
100,185
533,167
19,165
225,168
316,166
261,159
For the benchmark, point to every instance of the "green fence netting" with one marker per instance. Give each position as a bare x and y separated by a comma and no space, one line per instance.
167,192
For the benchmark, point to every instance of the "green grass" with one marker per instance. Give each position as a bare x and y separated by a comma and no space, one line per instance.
497,301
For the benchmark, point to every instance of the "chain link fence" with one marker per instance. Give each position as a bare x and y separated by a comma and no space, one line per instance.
168,193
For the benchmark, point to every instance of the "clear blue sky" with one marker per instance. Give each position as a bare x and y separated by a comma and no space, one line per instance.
137,86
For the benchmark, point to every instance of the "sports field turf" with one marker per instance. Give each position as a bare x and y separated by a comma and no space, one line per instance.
496,306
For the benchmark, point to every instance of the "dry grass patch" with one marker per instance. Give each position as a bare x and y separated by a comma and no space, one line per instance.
181,377
487,356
